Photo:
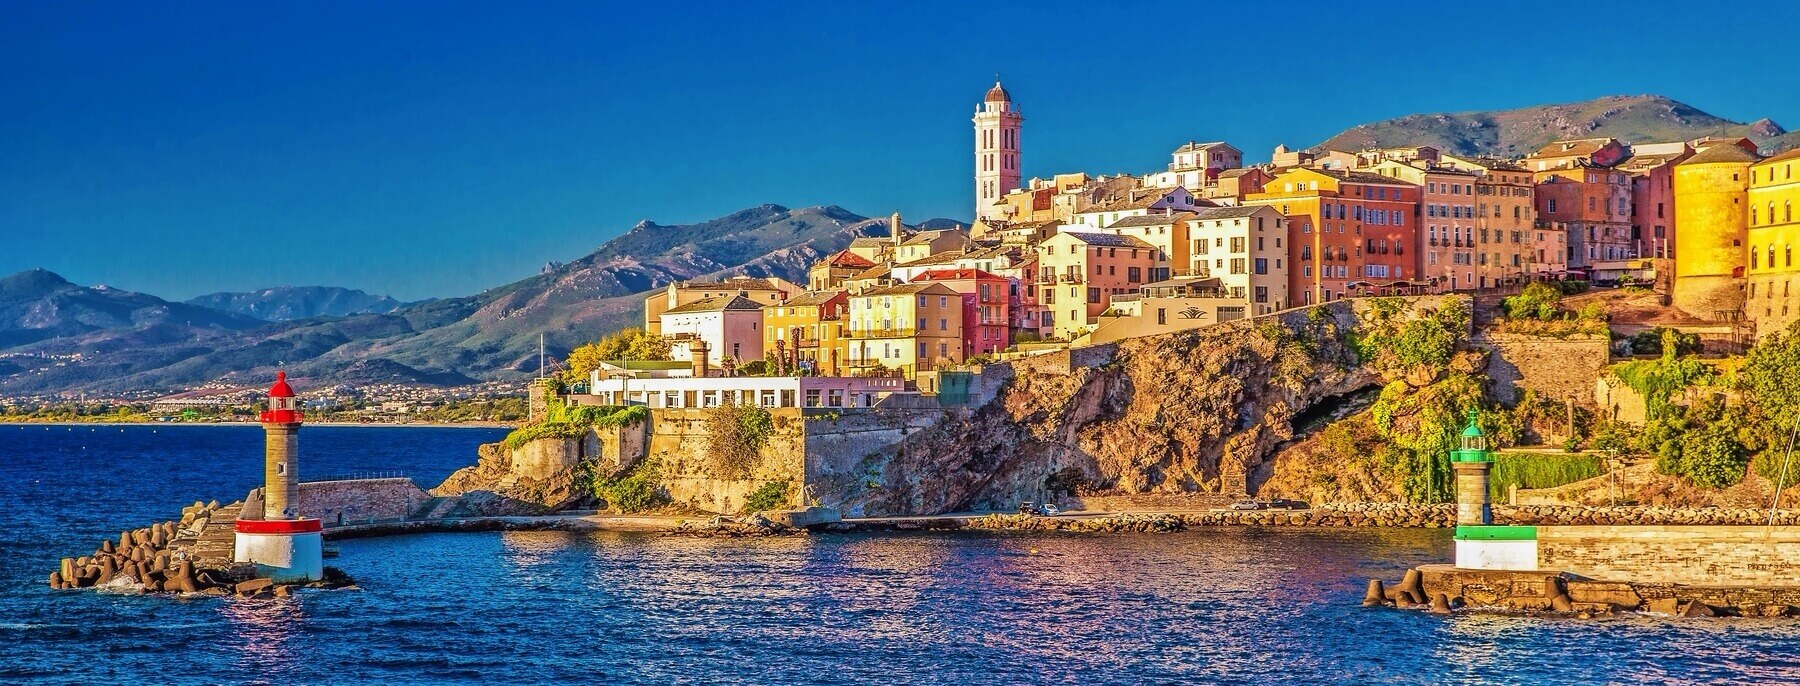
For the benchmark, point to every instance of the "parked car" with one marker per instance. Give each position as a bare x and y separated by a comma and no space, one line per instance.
1285,504
1246,505
1030,508
1051,510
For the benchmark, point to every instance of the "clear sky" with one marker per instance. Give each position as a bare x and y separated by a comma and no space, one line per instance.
439,148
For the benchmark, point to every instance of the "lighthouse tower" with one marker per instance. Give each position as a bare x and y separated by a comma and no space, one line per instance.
283,545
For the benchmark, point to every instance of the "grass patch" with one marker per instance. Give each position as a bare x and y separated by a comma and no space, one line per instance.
1539,470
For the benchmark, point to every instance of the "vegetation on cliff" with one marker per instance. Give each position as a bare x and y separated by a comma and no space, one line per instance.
561,420
635,490
1434,386
737,434
769,496
1538,470
1538,310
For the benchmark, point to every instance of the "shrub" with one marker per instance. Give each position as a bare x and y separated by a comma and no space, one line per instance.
1712,457
630,343
770,496
737,434
1660,380
1769,464
1537,301
1539,470
1660,340
1767,377
636,490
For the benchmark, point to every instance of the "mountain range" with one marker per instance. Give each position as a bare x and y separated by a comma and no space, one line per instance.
1518,132
56,336
288,303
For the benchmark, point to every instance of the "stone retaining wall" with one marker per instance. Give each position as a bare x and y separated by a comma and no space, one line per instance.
1555,367
354,501
1697,555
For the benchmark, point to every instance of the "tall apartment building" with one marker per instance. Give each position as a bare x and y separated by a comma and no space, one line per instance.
1245,249
1447,205
1345,227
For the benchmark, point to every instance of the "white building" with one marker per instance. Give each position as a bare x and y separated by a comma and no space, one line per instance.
730,327
835,392
1196,165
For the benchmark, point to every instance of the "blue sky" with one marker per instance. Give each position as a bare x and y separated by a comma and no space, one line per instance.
437,149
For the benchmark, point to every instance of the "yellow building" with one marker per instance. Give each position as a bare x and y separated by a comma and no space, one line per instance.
1711,224
1773,297
909,327
808,332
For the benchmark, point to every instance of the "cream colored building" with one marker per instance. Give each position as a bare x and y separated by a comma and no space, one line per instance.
1134,202
1079,273
762,291
1245,249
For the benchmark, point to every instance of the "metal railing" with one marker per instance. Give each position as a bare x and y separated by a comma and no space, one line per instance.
354,476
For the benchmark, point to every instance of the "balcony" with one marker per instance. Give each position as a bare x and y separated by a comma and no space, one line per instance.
1074,278
883,333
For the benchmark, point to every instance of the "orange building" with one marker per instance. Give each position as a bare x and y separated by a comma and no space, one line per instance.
1344,228
1594,202
1080,272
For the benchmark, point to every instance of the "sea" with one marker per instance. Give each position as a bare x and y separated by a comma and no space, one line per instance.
1218,606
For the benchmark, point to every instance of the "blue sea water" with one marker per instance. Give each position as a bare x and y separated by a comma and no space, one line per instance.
1238,605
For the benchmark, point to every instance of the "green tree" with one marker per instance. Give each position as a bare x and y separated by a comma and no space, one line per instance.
631,343
1768,378
1538,301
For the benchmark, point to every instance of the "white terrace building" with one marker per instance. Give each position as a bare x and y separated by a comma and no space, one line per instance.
834,392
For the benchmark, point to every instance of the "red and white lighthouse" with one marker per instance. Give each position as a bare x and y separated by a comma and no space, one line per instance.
283,545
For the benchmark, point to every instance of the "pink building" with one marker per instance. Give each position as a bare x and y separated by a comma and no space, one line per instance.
987,307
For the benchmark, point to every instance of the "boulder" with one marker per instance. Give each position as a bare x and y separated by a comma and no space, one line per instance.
56,580
1696,608
252,587
1667,606
1562,603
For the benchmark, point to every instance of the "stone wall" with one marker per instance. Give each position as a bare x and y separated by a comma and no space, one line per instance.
358,501
1555,367
1700,555
683,449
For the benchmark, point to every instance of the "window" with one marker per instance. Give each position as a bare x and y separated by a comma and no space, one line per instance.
1262,294
1237,265
1093,295
1262,265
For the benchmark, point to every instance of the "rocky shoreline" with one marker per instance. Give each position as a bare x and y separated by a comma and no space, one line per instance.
178,557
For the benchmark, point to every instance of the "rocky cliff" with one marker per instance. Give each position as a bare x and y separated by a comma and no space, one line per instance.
1189,412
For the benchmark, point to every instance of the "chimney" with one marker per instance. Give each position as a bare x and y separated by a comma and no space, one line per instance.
697,356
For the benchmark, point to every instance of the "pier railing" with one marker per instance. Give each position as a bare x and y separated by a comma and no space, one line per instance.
355,476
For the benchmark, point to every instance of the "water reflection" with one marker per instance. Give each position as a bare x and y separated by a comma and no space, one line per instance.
265,633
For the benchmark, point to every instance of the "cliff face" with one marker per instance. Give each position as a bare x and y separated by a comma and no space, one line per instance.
1189,412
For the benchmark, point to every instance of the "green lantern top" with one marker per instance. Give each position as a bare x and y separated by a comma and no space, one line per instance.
1474,446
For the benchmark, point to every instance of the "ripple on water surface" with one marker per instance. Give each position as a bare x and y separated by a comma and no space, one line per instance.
1217,606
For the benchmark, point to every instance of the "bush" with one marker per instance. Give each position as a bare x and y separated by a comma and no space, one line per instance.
1659,381
770,496
564,421
737,434
636,490
1537,301
1660,340
1537,470
1769,463
1712,457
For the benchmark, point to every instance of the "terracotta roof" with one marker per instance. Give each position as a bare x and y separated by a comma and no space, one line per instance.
1783,157
1580,147
1233,173
737,282
905,289
1108,239
1363,177
1229,212
1134,199
952,274
1192,146
716,304
874,272
1150,220
945,257
927,236
811,299
1721,153
848,260
871,241
997,94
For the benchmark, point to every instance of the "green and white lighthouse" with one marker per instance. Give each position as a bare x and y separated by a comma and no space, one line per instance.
1472,462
